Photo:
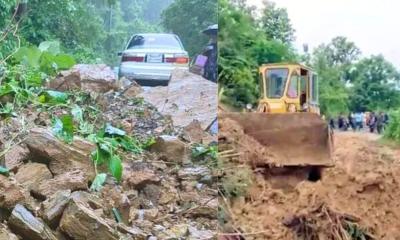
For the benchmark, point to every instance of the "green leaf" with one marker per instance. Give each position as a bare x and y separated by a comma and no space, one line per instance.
64,61
53,97
116,167
129,144
100,156
4,171
110,130
52,47
117,215
47,63
98,182
6,89
29,56
63,128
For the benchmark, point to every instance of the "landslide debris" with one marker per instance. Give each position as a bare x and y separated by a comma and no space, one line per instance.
355,199
165,191
187,97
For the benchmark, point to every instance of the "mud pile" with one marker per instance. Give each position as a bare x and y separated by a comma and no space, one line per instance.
188,96
165,192
240,147
358,197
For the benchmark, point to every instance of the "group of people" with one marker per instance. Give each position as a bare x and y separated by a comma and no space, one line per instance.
375,122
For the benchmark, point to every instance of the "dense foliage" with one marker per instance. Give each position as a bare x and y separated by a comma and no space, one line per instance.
93,30
243,46
393,129
348,82
187,19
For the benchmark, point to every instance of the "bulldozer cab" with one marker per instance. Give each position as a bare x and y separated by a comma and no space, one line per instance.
288,88
287,121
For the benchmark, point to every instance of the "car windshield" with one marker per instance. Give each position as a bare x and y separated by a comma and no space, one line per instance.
276,81
154,41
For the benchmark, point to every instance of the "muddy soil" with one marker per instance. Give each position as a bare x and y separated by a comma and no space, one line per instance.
187,97
359,195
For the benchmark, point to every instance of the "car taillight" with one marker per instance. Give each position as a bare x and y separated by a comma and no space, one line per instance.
128,58
176,59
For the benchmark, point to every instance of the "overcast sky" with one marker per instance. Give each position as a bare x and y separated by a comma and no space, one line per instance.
372,24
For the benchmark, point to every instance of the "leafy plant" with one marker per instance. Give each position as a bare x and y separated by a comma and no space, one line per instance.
63,128
47,57
208,153
7,110
392,130
53,97
108,140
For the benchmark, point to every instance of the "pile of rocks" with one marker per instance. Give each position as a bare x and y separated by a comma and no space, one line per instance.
164,193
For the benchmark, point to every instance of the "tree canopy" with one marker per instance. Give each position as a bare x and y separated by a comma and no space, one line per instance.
348,80
91,30
187,18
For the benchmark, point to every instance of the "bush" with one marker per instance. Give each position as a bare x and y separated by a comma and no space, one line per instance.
392,130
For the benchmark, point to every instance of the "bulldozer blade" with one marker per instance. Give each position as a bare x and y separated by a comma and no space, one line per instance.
294,139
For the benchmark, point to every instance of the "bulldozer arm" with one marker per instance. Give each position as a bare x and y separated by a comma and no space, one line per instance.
294,139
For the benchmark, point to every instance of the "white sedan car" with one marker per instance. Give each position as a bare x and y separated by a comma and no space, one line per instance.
150,58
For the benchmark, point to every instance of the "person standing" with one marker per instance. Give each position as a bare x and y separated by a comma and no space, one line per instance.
351,121
332,123
340,122
380,122
358,119
211,52
372,122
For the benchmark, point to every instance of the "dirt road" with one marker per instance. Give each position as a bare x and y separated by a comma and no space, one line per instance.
360,193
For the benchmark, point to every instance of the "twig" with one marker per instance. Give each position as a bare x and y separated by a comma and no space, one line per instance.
8,28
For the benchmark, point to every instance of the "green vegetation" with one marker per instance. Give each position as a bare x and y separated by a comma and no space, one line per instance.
392,130
187,18
92,31
348,81
244,45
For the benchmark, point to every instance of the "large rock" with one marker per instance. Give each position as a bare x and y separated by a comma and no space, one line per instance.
10,193
27,226
59,156
72,180
52,209
31,174
81,222
188,97
194,132
15,157
139,179
113,197
207,208
88,199
142,214
6,234
171,149
132,90
193,173
96,78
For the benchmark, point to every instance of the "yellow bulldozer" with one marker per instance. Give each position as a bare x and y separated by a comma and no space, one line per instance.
287,119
